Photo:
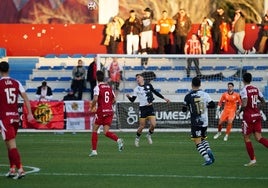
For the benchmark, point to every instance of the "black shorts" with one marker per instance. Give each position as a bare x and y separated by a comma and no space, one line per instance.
146,111
198,131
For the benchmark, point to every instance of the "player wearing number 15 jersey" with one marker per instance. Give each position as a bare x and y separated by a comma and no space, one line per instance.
251,123
104,98
198,102
10,89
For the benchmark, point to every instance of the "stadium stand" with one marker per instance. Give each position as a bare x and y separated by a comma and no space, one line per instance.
170,73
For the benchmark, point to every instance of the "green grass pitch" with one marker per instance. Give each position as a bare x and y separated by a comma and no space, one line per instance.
171,161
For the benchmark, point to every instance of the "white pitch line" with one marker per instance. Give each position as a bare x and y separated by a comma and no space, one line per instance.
32,169
152,175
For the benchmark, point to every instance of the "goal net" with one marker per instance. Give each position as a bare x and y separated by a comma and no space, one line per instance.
169,75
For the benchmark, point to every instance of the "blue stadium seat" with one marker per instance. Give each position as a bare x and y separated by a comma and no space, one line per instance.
173,79
70,67
50,56
44,67
31,90
165,68
233,67
186,79
39,79
265,92
228,79
152,68
3,52
90,55
210,90
249,67
52,78
257,79
220,68
63,56
160,79
126,67
206,68
58,90
179,68
137,68
65,78
59,67
127,90
77,56
264,67
222,90
131,79
181,90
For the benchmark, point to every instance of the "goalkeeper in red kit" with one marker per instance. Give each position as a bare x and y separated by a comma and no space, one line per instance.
104,98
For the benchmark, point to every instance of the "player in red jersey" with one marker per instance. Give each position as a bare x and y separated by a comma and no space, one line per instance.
251,123
104,98
230,102
10,89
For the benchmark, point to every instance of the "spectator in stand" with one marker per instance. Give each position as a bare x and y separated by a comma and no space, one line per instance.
193,46
264,34
70,96
132,29
204,33
219,31
182,28
239,25
91,76
164,26
78,82
113,34
146,35
44,92
115,75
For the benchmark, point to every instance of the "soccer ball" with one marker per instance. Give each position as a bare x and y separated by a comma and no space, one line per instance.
92,5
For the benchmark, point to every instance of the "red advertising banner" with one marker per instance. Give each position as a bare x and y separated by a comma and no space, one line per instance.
48,115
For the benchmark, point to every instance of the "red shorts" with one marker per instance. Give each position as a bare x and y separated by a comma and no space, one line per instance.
9,128
104,119
249,128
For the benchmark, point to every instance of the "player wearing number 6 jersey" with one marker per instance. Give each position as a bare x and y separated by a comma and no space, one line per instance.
104,98
10,89
198,102
251,123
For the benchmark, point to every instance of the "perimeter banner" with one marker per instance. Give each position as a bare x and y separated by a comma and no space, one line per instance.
78,115
48,115
169,115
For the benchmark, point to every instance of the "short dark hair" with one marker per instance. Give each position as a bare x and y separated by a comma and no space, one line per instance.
231,83
247,77
44,83
196,82
139,75
100,76
4,66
